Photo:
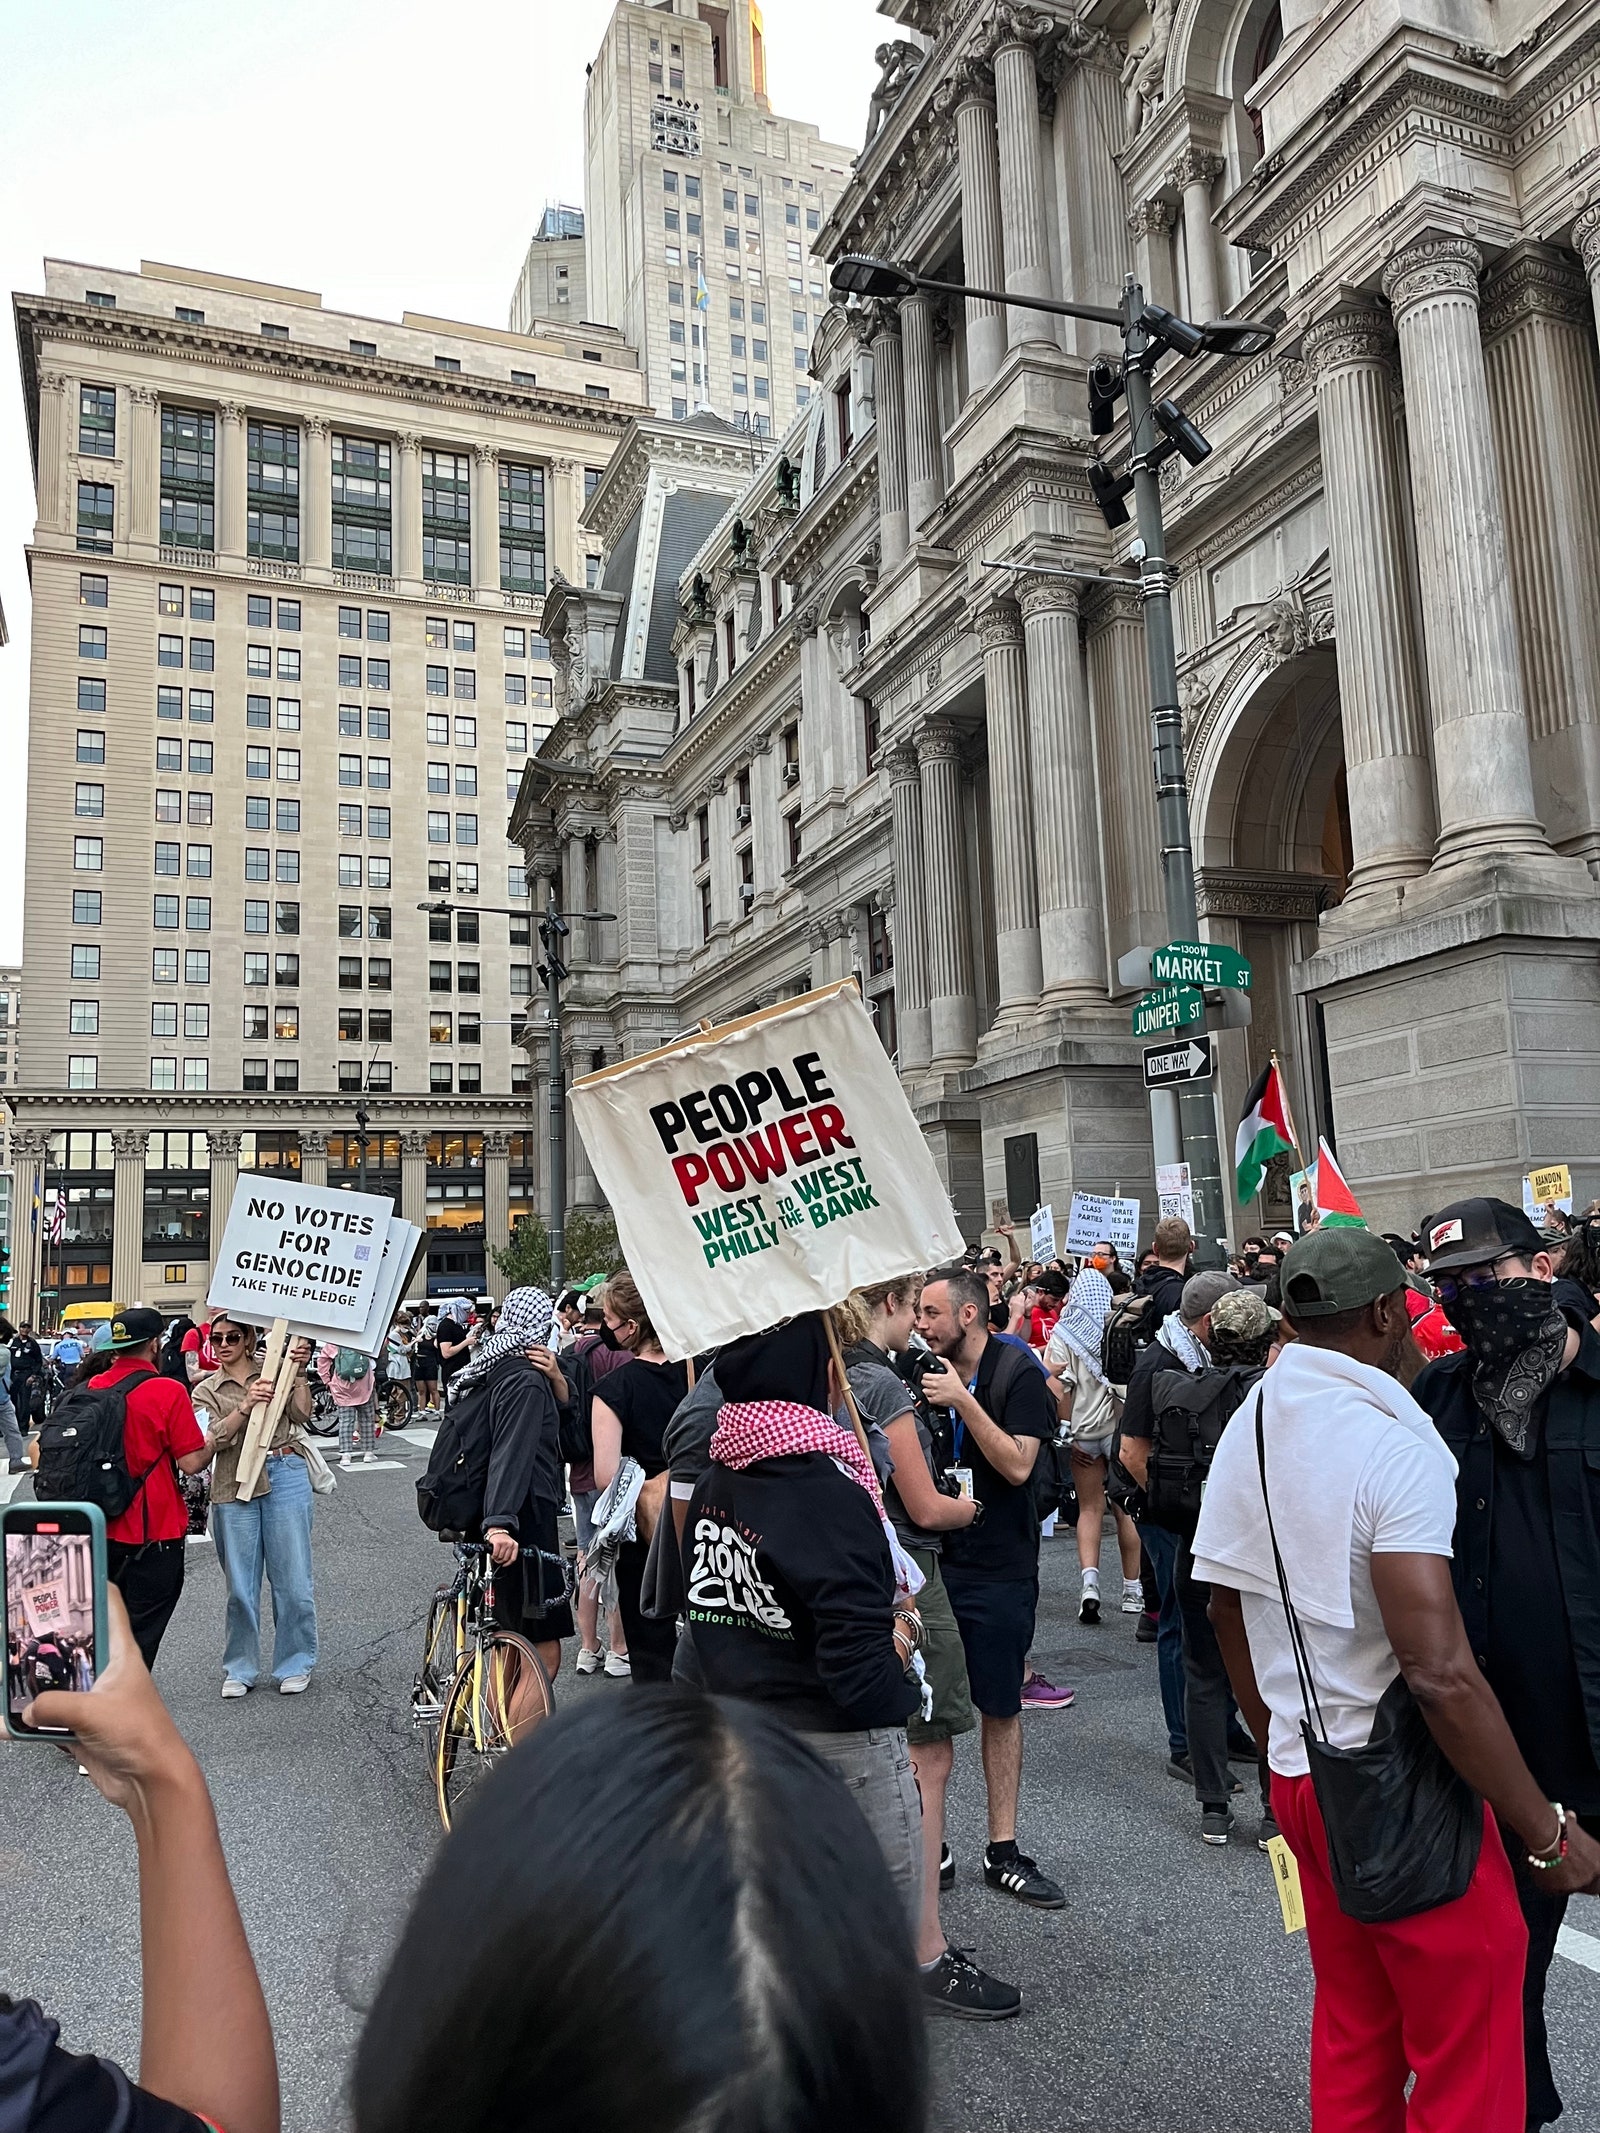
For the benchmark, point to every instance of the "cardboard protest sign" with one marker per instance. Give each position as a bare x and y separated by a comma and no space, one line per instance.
310,1254
1097,1217
1547,1191
763,1168
1042,1233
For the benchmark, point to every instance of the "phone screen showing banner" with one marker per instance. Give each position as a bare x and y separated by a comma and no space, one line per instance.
763,1168
308,1253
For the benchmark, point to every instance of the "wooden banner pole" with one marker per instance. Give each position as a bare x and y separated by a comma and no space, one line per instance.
844,1379
278,1365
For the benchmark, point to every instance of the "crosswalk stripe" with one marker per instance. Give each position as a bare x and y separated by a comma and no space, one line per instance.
1579,1947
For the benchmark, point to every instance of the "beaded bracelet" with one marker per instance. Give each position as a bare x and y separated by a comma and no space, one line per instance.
1543,1866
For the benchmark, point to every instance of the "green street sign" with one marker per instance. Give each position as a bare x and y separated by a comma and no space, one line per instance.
1172,1007
1199,963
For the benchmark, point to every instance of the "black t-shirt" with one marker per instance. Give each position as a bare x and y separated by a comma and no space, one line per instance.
525,1443
643,1397
1165,1284
1004,1541
72,2094
1577,1301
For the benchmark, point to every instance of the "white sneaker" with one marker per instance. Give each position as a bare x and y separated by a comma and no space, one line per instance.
347,1461
294,1685
232,1687
618,1666
1132,1597
369,1458
588,1662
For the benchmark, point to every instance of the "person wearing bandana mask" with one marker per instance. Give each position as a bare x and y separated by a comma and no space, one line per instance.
1519,1408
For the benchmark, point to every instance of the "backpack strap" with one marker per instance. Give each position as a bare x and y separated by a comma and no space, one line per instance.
1297,1642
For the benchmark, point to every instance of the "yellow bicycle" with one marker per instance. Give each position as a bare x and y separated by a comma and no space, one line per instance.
481,1688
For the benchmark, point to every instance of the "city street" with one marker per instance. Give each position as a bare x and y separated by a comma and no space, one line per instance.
1166,1999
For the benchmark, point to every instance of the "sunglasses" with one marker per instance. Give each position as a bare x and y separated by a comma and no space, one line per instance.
1447,1287
227,1340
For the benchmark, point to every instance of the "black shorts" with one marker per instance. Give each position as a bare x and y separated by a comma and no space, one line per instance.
995,1617
520,1588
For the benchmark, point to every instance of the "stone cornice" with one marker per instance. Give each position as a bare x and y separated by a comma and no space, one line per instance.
1534,281
1240,892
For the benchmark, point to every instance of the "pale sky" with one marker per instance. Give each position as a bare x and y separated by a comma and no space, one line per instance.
392,154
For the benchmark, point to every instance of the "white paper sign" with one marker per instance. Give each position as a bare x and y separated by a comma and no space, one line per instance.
1174,1192
308,1253
1096,1217
1042,1233
763,1168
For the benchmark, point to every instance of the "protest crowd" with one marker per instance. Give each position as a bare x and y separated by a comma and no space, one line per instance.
1348,1486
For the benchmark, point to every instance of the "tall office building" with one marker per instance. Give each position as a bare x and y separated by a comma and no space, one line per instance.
701,210
552,284
288,579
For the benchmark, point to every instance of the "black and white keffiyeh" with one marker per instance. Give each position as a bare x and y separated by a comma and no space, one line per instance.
525,1321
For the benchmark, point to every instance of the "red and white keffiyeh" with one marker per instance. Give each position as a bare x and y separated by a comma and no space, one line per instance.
748,1430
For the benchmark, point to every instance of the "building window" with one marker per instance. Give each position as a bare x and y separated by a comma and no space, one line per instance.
93,590
516,738
378,779
95,505
349,622
447,517
377,822
86,907
466,683
197,966
97,421
202,654
253,1074
466,773
439,1077
164,915
466,829
257,915
380,973
88,854
288,867
272,479
377,673
289,764
89,800
86,962
286,918
705,910
438,827
286,1075
202,707
92,746
792,831
198,863
83,1018
438,681
521,528
188,478
361,505
197,914
83,1071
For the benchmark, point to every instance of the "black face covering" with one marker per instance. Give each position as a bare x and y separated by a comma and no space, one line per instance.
607,1338
1516,1337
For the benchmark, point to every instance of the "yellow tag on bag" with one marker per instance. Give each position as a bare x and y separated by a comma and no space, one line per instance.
1286,1879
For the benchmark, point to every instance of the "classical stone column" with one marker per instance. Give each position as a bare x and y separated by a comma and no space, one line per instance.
1350,353
51,483
496,1196
910,910
562,505
414,1179
144,464
486,518
316,493
1061,766
952,1003
408,507
1194,173
232,523
981,246
28,1151
1119,687
893,524
1011,814
1481,763
1540,357
222,1146
1022,216
924,430
1097,200
127,1216
314,1155
1586,241
1150,226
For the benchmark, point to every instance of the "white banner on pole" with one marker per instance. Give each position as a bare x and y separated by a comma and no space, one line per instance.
1174,1192
1042,1233
763,1168
1098,1218
311,1254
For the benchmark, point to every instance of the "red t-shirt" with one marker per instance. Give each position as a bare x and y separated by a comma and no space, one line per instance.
197,1341
160,1421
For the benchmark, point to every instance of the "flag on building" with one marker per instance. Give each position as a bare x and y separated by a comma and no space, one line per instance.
1265,1130
33,1212
702,295
1336,1203
58,1215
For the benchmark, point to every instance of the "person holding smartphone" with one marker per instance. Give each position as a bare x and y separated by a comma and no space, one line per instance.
271,1530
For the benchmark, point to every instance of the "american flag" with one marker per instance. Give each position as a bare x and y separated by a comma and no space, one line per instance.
58,1215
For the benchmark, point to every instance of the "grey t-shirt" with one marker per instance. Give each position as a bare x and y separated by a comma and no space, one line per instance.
883,1397
687,1441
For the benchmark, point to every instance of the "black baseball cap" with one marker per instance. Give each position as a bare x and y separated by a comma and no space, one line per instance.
1472,1232
131,1329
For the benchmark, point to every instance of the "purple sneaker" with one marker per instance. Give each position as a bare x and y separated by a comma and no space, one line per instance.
1041,1695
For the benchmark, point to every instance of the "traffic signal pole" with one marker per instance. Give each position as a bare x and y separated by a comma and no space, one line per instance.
1196,1106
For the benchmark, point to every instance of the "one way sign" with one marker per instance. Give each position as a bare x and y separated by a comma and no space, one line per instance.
1165,1064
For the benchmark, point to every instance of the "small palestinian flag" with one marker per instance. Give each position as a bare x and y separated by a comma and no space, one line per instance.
1336,1203
1265,1130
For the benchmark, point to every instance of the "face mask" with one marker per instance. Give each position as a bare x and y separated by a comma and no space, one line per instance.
607,1338
1517,1339
1501,1318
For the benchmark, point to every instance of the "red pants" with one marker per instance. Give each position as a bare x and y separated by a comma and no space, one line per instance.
1438,1995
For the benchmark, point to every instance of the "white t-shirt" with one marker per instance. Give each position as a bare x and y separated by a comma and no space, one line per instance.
1402,1502
1096,1406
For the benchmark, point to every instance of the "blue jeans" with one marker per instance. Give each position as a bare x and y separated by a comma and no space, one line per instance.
1162,1549
273,1533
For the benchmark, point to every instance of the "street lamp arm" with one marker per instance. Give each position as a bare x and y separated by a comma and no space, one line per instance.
1099,313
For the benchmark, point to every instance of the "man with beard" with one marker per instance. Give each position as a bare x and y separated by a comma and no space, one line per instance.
1520,1410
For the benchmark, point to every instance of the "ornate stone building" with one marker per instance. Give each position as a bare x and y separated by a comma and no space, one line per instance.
1389,641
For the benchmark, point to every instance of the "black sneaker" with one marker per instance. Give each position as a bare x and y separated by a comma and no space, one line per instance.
1019,1876
1149,1629
956,1986
1089,1607
1180,1767
947,1867
1216,1825
1269,1829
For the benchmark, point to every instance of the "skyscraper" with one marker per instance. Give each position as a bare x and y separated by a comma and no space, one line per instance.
701,209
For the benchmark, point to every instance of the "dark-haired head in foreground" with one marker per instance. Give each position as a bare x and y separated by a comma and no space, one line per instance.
663,1915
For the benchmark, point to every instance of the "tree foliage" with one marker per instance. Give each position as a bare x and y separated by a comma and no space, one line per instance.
591,1248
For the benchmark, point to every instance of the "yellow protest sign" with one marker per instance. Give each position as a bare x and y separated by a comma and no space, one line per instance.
1553,1182
1286,1880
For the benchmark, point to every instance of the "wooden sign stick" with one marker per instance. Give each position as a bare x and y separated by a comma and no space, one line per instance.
844,1379
264,1420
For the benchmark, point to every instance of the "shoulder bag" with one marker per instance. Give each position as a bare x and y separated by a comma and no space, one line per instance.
1404,1829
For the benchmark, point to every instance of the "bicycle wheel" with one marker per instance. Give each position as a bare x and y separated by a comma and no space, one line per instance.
490,1707
396,1407
438,1665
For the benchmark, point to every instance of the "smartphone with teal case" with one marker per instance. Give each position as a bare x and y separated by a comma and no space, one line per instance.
54,1617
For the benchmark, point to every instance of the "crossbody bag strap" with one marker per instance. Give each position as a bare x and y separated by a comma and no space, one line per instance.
1297,1643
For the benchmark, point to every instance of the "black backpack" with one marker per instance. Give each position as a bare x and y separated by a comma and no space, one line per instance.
1133,1324
82,1457
450,1494
576,1419
1189,1410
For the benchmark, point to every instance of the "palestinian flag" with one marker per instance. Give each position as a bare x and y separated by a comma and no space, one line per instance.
1336,1203
1265,1130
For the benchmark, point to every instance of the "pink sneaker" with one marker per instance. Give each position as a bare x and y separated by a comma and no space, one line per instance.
1041,1695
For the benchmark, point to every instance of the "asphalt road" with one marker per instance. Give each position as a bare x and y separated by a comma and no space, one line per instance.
1165,1999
